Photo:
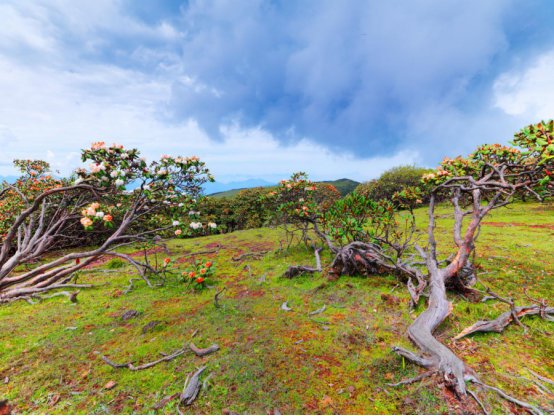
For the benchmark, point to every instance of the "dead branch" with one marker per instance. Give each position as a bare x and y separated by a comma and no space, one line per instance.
216,297
132,367
254,254
131,285
317,311
161,404
201,352
285,307
191,388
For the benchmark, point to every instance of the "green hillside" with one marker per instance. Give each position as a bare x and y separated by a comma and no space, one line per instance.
344,186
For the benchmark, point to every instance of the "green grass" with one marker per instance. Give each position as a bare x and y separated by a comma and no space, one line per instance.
336,362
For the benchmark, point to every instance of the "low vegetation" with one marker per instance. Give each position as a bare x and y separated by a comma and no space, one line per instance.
249,320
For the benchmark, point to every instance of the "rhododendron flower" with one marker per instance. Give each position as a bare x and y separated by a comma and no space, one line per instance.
202,271
78,181
212,225
114,174
178,232
146,187
91,211
167,260
199,280
95,205
192,274
175,223
107,218
100,214
87,222
119,182
209,264
124,155
97,145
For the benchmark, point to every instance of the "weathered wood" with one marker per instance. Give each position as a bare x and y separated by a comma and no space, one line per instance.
201,352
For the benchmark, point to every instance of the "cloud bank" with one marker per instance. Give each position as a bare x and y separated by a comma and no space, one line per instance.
263,88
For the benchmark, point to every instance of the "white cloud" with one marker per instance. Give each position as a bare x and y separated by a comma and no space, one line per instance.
50,115
528,92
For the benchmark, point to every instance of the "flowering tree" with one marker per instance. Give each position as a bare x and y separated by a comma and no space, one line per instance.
488,179
370,237
96,199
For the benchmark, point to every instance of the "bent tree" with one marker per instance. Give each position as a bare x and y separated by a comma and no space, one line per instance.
39,213
488,179
370,237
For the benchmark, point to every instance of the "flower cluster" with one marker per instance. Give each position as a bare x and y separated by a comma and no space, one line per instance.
92,214
199,274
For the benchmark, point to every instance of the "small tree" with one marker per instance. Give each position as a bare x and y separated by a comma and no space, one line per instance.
392,181
98,200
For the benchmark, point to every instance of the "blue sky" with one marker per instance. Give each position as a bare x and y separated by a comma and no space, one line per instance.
260,89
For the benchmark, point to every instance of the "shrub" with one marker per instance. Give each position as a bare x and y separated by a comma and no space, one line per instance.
391,181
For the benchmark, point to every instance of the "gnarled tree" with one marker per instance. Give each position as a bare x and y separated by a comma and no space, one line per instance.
96,200
488,179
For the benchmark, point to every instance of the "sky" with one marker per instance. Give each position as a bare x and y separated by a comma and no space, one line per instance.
261,89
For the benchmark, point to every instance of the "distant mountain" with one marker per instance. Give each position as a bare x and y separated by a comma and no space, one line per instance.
219,187
344,186
8,178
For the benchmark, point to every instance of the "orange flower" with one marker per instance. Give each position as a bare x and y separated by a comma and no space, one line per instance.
167,260
208,264
108,218
199,280
202,271
192,274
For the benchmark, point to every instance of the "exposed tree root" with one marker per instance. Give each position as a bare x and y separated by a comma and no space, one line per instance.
479,402
294,271
33,293
413,379
201,352
533,409
358,258
514,315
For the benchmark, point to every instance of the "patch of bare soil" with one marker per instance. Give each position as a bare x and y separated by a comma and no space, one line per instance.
519,224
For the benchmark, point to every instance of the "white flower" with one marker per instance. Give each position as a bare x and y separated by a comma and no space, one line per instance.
124,155
119,182
100,214
78,181
181,204
146,187
195,225
114,174
212,225
176,223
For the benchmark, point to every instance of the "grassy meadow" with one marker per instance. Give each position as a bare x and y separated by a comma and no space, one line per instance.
271,360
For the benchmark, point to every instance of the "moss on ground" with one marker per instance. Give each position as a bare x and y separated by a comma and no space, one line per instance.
338,361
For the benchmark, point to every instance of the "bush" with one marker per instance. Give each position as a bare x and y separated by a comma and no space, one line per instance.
392,181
